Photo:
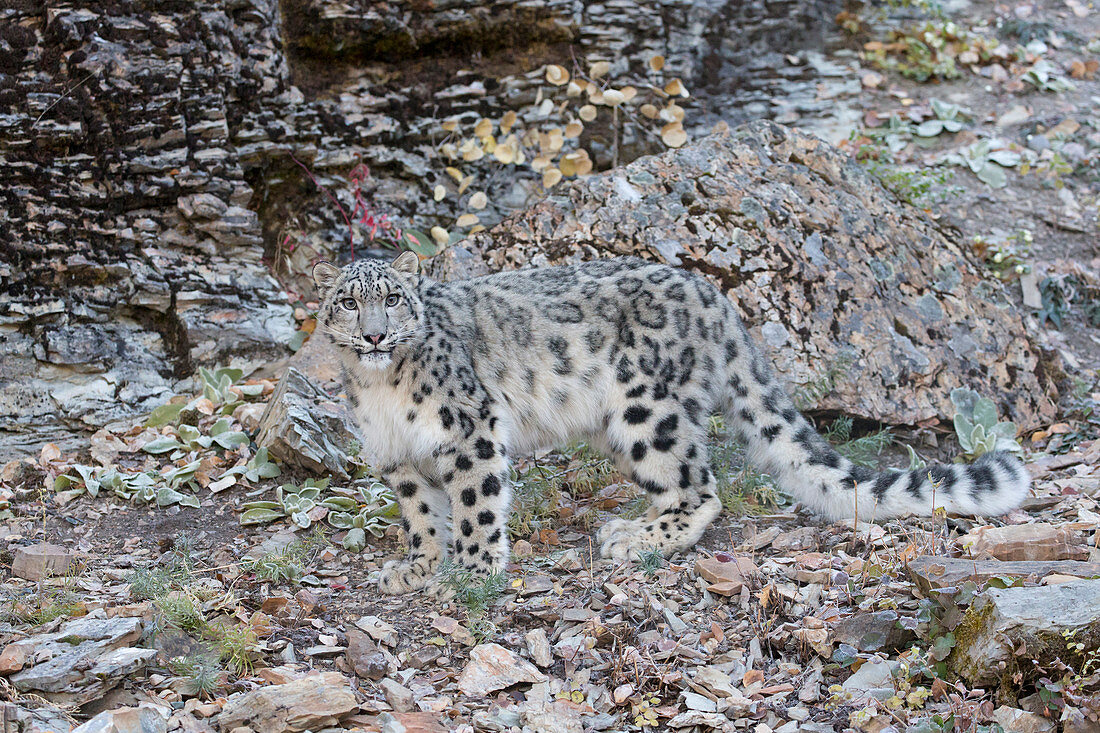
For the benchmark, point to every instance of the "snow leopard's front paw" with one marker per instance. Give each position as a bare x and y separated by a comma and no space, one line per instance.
621,539
406,576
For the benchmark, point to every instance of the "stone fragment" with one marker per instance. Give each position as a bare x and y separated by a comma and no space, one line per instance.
42,718
400,698
492,667
930,572
145,718
797,540
302,426
558,716
872,679
538,646
379,630
1039,619
1021,721
82,660
869,632
699,720
1074,721
725,578
318,700
35,562
409,723
1036,542
13,658
364,656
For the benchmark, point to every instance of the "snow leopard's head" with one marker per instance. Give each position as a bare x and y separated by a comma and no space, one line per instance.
370,307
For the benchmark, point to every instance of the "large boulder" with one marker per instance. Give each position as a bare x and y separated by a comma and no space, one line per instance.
864,304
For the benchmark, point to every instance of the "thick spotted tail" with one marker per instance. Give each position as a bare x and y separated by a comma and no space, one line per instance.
782,443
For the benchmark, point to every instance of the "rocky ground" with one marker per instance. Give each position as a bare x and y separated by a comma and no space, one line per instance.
211,566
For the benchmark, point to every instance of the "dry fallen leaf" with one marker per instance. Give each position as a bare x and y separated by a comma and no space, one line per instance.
557,75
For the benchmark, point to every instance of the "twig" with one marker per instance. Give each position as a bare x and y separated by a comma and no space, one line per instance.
57,101
343,213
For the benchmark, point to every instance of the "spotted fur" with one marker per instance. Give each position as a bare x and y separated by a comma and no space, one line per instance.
449,379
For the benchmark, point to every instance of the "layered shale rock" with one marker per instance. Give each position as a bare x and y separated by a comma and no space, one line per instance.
150,185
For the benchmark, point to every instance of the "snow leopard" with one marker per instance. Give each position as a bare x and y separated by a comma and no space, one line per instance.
449,379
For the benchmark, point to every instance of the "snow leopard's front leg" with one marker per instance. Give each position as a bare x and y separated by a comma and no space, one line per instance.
424,510
478,482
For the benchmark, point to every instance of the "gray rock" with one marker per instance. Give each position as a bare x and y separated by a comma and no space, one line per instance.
318,700
870,632
83,659
302,426
143,719
1038,619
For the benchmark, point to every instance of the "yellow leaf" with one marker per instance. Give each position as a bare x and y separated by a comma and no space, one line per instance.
506,151
629,93
466,220
672,113
596,97
474,153
450,125
568,165
479,200
598,69
649,111
587,113
657,62
613,97
454,173
483,127
439,193
557,75
464,184
550,177
574,129
507,121
440,235
676,88
540,162
573,90
673,135
478,228
546,108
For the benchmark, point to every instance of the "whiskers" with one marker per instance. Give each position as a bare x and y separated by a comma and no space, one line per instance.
341,337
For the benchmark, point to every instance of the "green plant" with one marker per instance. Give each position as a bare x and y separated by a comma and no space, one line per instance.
1044,77
237,646
140,488
191,439
948,118
977,427
377,511
650,561
288,564
476,592
203,675
1005,253
988,159
863,450
1057,293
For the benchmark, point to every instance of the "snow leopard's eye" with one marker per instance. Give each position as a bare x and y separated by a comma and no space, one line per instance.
392,299
348,304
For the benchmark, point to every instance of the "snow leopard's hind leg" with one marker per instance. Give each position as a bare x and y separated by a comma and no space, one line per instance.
425,511
665,453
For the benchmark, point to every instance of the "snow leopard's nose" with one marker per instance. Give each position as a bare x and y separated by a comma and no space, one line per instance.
375,337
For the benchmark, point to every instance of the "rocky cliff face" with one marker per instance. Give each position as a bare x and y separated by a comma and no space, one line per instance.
150,190
865,306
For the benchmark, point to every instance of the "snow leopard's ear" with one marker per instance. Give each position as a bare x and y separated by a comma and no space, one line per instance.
406,262
325,274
